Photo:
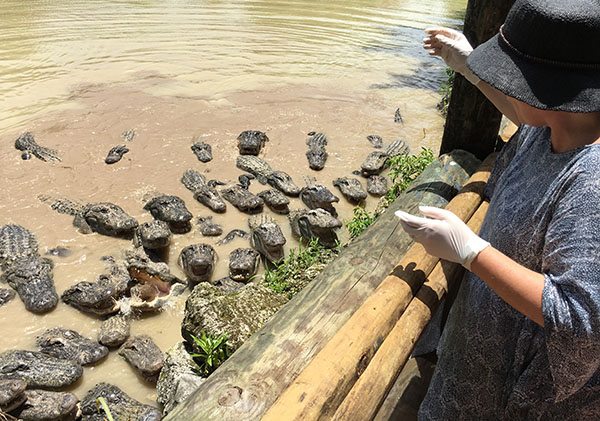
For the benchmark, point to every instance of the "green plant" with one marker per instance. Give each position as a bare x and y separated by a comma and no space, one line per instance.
213,352
446,90
291,274
404,169
359,222
102,404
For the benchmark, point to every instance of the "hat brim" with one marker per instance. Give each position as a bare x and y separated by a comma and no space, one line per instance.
541,85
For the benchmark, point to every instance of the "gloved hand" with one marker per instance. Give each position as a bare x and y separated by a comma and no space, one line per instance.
443,235
452,46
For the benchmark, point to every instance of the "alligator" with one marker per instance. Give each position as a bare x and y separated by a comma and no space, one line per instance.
284,183
6,295
267,238
11,394
103,217
231,235
16,244
316,154
44,405
114,331
120,405
250,142
242,199
227,284
203,151
172,210
59,251
256,166
100,297
243,264
398,117
148,298
153,235
245,179
318,196
144,356
203,193
377,185
115,154
375,162
197,262
70,345
39,369
144,271
275,200
33,280
207,227
27,144
214,183
375,140
315,223
128,135
351,189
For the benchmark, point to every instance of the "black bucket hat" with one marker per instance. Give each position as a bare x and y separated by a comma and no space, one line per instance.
547,54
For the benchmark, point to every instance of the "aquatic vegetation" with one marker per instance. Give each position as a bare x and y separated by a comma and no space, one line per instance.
213,352
299,267
446,90
359,222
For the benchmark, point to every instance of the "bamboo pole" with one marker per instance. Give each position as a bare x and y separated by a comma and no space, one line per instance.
390,358
322,385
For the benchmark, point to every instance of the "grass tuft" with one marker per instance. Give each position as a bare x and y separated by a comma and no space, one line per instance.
446,90
404,169
359,222
213,352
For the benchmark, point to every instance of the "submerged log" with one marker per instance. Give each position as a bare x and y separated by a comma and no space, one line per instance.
323,384
255,375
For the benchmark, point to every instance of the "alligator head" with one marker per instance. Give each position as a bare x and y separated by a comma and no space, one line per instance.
108,219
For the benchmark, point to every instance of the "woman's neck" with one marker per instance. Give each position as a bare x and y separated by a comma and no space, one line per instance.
573,130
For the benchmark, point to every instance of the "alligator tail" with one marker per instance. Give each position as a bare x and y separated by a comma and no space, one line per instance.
62,205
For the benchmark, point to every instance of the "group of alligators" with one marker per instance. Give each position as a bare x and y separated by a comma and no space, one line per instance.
139,281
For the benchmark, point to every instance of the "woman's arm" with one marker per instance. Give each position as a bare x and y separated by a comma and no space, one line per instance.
499,100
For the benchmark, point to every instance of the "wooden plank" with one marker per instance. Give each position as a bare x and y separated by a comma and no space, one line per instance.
473,122
323,384
390,358
254,376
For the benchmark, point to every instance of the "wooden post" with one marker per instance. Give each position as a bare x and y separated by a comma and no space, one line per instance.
473,122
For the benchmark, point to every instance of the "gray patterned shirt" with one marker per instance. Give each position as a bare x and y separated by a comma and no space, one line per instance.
494,363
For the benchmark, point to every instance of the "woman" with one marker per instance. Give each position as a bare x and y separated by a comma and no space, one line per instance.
522,340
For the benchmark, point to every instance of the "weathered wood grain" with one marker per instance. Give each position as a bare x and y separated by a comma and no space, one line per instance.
323,384
255,375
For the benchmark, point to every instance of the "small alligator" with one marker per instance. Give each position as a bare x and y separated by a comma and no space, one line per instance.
128,135
104,218
375,162
207,227
284,183
198,262
398,117
242,199
11,394
245,179
316,154
250,142
59,251
39,369
70,345
375,140
315,223
6,295
115,154
203,151
172,210
203,193
44,405
227,284
144,356
267,238
351,189
243,264
27,144
318,196
231,235
120,405
114,331
153,235
377,185
275,200
256,166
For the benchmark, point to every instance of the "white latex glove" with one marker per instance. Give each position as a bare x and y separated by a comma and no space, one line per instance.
443,235
452,46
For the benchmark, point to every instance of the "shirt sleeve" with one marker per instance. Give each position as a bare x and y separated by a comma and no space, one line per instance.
571,294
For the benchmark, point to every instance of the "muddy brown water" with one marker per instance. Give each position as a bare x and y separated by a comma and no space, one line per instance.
78,75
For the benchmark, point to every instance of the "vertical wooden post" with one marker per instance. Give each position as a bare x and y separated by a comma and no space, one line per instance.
473,122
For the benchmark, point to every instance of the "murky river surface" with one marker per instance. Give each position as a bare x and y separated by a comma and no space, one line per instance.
77,74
